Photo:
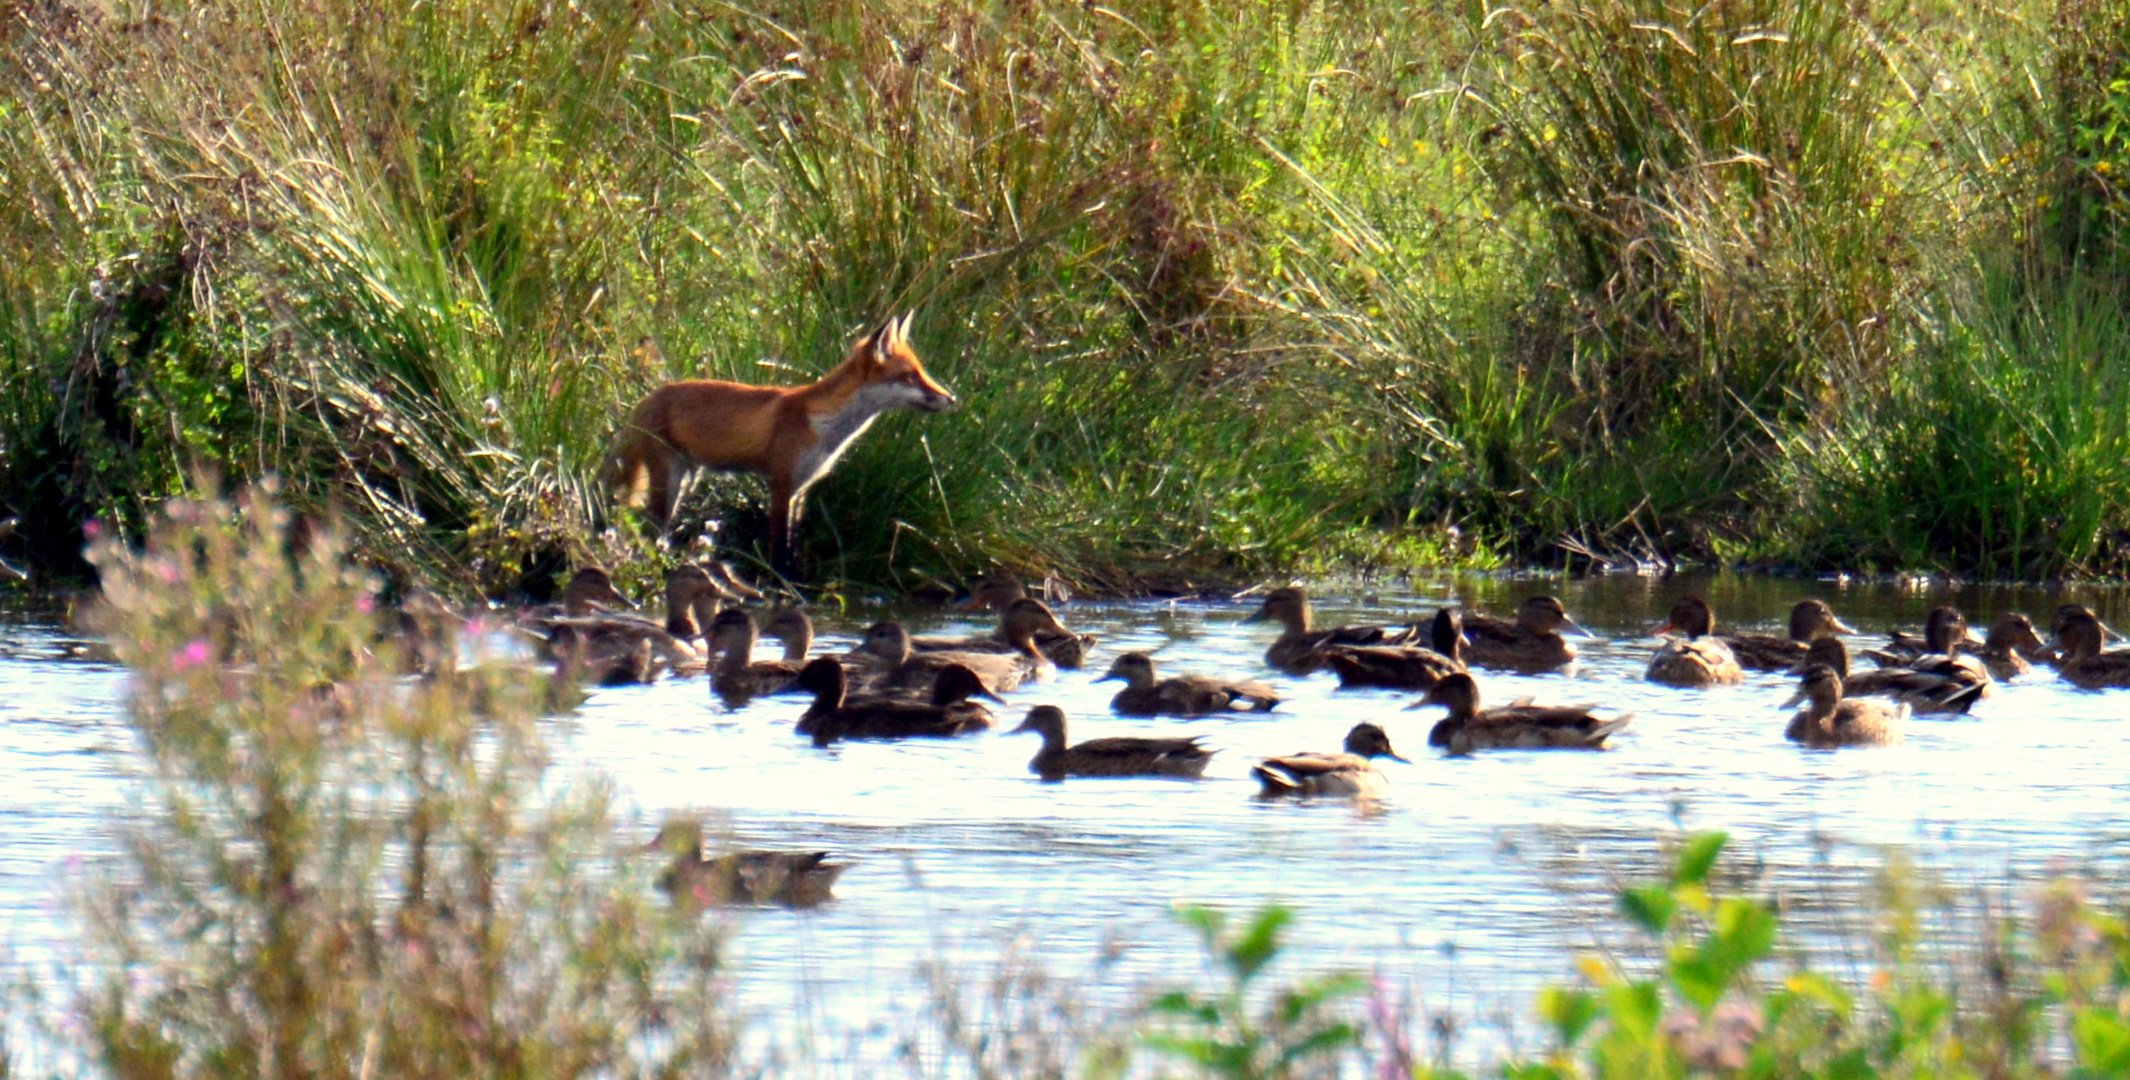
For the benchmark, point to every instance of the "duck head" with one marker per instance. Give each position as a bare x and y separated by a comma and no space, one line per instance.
1135,668
1813,619
1370,741
957,683
1447,635
791,626
888,641
1827,652
824,677
1047,721
1690,616
2079,638
1287,606
1547,615
686,615
1818,684
1455,692
994,593
1024,619
591,590
2013,632
1945,630
732,633
679,839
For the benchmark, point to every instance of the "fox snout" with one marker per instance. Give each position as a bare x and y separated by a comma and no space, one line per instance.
939,399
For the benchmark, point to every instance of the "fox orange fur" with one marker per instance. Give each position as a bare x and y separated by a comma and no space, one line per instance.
790,434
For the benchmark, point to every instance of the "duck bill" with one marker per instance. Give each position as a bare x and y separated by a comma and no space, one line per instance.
1112,676
1796,699
1423,703
1024,727
1663,628
1256,616
1395,757
1575,628
985,692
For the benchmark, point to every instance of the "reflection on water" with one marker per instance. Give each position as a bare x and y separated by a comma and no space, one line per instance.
1468,883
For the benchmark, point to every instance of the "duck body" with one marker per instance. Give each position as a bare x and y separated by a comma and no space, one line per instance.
795,879
1351,774
1698,658
1945,634
1809,621
1300,647
2010,643
1529,642
1182,695
1122,756
1519,725
832,717
1831,719
1402,667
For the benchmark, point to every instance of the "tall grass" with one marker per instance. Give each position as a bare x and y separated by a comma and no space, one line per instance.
1226,288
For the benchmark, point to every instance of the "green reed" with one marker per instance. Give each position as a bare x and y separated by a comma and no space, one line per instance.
1226,288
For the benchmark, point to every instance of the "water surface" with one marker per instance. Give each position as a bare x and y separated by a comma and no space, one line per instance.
1464,888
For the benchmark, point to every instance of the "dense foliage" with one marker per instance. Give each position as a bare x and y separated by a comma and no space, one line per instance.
1228,289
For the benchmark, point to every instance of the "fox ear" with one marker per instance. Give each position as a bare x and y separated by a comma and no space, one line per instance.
902,330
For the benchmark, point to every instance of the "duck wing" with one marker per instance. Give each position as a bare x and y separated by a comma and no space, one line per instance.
1400,667
1496,642
1869,723
1134,756
2108,670
1764,652
1951,691
1310,773
1537,727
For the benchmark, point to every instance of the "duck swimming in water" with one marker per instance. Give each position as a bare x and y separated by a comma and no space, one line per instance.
1529,642
1830,719
1181,695
1519,725
1810,620
1402,667
795,879
1299,649
1351,774
1698,658
1121,756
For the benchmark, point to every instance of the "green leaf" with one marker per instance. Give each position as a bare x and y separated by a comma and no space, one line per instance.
1635,1008
1259,942
1571,1012
1698,857
1650,906
1818,988
2103,1041
1743,931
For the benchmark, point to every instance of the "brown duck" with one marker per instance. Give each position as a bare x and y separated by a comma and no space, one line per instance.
832,717
690,593
1810,620
2084,664
1402,667
2051,653
1830,720
1063,647
795,629
737,677
1350,775
1954,690
1698,658
1122,756
793,879
1531,641
1181,695
1300,646
1519,725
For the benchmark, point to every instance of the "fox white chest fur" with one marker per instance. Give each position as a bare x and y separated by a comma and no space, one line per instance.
837,430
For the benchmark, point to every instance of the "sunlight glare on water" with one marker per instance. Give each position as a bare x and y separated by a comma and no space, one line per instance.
1456,884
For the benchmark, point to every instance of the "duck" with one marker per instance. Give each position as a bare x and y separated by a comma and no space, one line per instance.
794,879
1831,720
1699,658
1122,756
1402,667
889,643
2084,664
1809,621
1061,646
1520,725
833,716
1181,695
590,592
1924,692
737,677
601,661
1531,641
1300,647
1351,774
2008,645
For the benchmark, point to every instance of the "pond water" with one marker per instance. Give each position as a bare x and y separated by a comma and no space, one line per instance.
1467,889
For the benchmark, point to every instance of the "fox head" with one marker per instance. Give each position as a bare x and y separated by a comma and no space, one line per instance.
890,364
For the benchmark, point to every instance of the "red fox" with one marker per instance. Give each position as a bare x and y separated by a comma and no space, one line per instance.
790,434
